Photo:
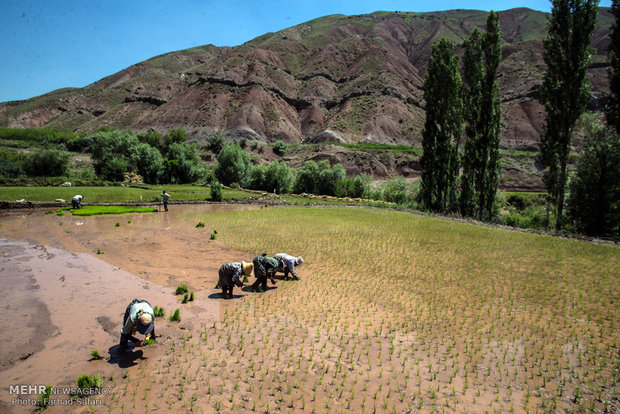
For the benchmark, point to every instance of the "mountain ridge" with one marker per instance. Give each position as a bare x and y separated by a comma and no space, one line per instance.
353,79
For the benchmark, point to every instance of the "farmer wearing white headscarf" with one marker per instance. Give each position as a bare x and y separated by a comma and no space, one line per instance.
288,264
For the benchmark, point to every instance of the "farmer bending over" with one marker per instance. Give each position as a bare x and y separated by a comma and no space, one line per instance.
76,201
288,264
230,274
264,267
139,317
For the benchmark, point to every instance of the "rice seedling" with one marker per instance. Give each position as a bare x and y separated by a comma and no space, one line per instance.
44,399
191,297
200,224
176,316
117,224
99,251
181,289
95,354
159,312
185,298
86,382
213,236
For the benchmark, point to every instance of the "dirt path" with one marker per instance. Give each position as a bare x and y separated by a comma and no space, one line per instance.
62,300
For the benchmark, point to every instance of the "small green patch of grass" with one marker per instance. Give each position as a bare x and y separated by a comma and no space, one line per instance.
99,251
117,224
176,316
181,289
44,398
159,312
213,236
185,298
191,297
200,224
85,382
95,354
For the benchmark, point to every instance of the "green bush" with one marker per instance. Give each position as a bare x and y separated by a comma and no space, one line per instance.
50,163
215,143
278,177
151,137
233,165
279,148
395,191
216,191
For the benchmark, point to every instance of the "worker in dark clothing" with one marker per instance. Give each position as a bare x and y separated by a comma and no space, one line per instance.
264,267
230,275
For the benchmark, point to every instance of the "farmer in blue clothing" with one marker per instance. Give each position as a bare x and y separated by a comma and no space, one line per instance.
288,263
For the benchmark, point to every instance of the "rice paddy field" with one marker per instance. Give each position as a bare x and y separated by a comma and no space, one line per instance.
397,312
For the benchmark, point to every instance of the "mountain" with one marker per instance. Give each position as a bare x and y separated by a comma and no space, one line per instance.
354,79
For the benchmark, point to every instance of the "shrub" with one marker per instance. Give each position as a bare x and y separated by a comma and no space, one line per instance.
215,143
257,177
150,137
49,163
278,177
181,289
233,165
396,191
279,148
216,191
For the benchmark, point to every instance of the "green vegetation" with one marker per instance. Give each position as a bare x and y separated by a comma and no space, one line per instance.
442,129
94,210
478,307
159,312
44,399
176,316
200,224
85,382
565,90
181,289
95,354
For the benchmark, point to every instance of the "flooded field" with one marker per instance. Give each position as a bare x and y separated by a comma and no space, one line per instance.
61,299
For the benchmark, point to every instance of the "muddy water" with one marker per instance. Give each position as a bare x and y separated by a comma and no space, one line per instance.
61,299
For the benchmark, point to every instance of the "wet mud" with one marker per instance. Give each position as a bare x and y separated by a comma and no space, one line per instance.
61,299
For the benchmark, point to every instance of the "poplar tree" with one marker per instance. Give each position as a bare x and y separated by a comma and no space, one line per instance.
565,89
613,108
483,120
442,129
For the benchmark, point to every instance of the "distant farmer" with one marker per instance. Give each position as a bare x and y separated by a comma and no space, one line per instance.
76,201
230,275
288,264
165,196
264,267
139,316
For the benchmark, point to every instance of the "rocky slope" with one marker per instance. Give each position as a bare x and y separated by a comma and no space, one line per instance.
337,78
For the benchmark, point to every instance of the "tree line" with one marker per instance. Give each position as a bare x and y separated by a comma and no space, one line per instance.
461,134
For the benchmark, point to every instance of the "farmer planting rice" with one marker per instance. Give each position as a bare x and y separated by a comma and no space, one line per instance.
139,316
230,274
264,267
76,201
288,263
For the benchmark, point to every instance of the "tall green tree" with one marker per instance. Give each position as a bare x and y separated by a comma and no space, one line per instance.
565,89
442,129
473,76
613,108
483,120
594,200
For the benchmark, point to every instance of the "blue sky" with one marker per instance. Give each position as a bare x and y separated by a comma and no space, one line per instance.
51,44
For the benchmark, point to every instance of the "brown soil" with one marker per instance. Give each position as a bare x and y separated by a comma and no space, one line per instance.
62,300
